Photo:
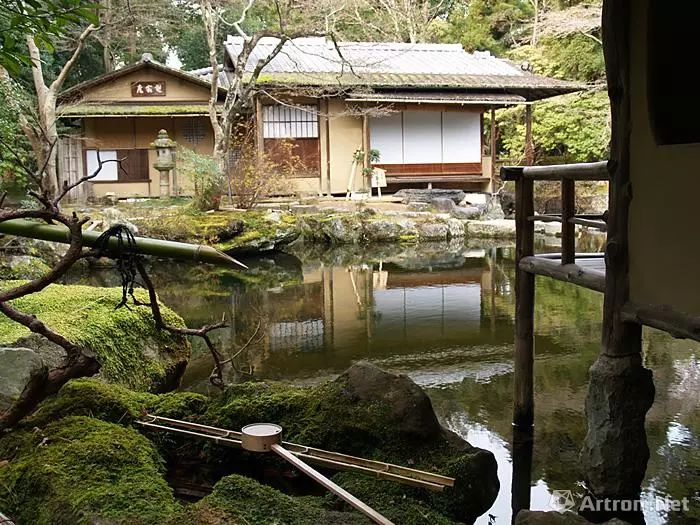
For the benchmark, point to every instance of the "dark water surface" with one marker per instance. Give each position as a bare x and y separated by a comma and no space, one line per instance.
443,315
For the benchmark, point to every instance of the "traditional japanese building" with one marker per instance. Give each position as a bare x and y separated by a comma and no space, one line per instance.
419,107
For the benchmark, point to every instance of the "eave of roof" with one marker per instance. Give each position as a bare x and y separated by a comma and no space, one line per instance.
133,110
530,87
78,89
438,97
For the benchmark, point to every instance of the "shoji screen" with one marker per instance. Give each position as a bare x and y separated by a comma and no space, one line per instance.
386,135
422,137
461,137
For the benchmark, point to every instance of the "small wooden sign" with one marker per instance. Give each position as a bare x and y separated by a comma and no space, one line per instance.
149,88
378,178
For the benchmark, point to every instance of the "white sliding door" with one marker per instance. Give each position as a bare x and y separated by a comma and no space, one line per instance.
461,137
422,137
386,135
427,137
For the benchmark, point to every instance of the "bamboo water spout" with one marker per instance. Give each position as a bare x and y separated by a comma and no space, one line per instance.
143,245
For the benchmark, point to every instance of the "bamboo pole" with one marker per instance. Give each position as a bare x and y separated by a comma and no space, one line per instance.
143,245
329,485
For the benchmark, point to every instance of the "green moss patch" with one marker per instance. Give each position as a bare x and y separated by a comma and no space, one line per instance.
92,397
237,499
131,350
80,470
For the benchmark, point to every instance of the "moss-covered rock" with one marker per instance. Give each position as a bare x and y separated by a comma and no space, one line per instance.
92,397
80,470
131,351
238,500
370,413
22,267
234,232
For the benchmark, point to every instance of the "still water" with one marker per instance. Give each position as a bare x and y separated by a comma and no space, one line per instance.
443,314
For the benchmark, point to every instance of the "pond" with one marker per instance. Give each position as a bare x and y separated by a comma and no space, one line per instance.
443,314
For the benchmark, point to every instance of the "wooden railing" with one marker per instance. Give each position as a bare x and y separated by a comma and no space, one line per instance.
567,174
527,265
560,266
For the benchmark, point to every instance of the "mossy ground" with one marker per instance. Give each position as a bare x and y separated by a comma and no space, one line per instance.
131,350
80,470
319,416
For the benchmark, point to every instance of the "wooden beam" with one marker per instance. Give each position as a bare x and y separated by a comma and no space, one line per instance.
568,229
579,171
327,127
678,324
365,148
259,136
529,142
570,273
523,396
493,151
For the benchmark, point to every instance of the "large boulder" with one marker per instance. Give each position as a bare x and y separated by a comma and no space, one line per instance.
443,204
426,195
433,230
82,471
370,413
18,366
494,229
22,267
131,350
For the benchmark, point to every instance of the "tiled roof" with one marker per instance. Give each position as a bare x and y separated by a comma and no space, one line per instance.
316,61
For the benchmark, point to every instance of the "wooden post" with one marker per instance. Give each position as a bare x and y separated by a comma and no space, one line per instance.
259,136
621,390
365,149
529,143
522,469
327,121
493,150
523,399
568,229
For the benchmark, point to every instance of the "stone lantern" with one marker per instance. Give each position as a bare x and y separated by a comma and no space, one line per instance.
165,153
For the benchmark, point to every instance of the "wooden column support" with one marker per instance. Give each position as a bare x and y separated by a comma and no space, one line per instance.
259,136
492,147
365,149
523,398
529,142
568,229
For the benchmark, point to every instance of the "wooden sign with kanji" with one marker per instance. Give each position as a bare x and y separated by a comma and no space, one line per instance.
151,88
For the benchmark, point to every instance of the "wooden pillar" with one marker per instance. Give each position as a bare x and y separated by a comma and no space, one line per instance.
523,441
327,121
529,143
523,398
493,151
568,229
259,136
365,148
621,390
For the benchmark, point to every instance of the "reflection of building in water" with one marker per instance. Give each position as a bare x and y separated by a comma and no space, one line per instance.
367,310
306,336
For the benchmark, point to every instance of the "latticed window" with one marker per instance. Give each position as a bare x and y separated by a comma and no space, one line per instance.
283,122
193,130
